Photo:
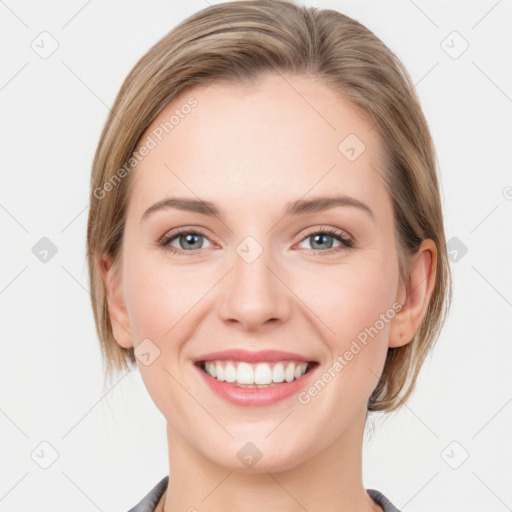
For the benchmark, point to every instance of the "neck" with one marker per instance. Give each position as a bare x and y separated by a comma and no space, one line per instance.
328,481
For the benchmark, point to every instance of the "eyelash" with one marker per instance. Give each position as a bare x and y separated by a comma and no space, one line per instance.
347,243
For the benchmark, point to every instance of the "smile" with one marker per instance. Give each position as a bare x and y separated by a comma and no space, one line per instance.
245,374
252,384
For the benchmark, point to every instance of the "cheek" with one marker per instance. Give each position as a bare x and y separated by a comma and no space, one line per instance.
357,307
353,306
159,299
349,297
156,296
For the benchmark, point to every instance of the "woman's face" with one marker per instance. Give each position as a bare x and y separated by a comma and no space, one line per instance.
255,276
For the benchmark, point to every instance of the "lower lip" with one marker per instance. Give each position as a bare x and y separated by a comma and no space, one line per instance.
256,396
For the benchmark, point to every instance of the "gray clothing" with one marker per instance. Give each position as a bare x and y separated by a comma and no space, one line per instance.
150,501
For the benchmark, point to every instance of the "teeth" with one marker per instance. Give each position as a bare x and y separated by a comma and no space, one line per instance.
278,372
244,374
229,373
262,374
259,374
289,373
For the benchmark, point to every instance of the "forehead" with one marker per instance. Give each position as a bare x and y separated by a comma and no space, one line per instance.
281,138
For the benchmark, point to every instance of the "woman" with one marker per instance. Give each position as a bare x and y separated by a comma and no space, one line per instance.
266,245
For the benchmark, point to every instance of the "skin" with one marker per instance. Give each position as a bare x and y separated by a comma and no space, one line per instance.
251,149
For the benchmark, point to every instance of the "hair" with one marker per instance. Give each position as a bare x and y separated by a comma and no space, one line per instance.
239,42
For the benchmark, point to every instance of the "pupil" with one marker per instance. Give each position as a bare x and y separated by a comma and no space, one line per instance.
190,239
321,236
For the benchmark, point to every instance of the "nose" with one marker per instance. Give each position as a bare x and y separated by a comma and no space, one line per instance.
254,294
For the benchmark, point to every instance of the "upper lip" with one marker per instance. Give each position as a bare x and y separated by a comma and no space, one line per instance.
250,356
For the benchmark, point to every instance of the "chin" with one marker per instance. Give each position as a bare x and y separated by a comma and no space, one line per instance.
258,457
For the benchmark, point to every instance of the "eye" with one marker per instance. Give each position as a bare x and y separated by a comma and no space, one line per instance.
187,239
191,241
319,238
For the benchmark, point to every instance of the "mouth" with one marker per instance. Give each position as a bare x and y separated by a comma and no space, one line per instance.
253,374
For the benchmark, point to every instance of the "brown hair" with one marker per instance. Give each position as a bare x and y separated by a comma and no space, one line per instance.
239,42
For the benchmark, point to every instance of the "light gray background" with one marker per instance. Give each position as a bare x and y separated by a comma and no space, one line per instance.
111,442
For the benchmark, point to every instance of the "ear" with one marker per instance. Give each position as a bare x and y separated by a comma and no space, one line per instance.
118,315
414,295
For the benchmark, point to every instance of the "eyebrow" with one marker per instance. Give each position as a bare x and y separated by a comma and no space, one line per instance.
297,207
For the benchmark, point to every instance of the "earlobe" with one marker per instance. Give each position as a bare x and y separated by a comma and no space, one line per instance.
419,289
118,314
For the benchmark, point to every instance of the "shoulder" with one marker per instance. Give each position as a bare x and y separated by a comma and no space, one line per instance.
150,501
379,498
